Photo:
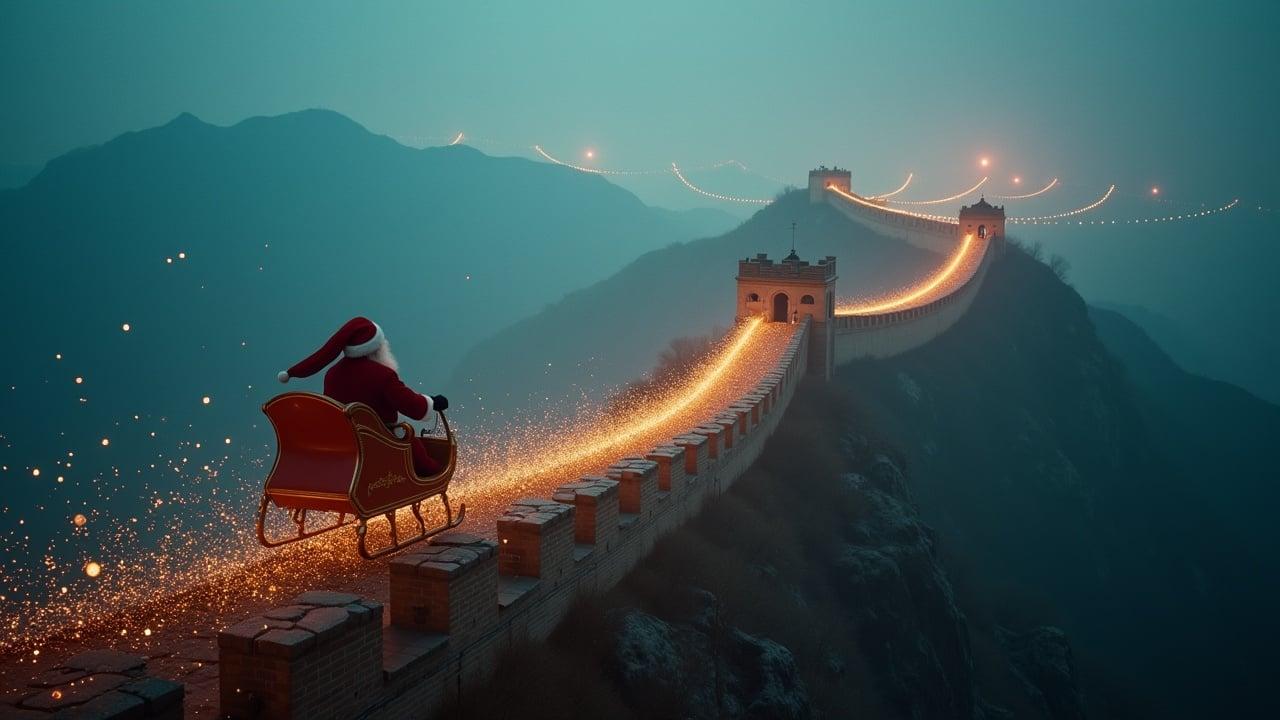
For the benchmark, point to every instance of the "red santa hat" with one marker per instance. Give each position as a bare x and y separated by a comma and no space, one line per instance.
357,338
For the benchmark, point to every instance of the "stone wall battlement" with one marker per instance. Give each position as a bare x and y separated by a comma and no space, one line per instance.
460,601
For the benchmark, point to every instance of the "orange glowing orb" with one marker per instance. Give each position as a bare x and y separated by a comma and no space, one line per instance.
92,569
1155,191
1017,181
591,154
984,162
79,520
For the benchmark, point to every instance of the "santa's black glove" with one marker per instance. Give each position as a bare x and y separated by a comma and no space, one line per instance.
439,402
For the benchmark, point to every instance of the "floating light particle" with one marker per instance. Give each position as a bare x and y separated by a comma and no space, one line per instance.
57,356
984,162
1155,191
79,380
92,569
106,442
226,441
182,256
591,154
62,590
60,478
125,327
35,472
56,694
146,631
168,261
206,400
1017,180
79,520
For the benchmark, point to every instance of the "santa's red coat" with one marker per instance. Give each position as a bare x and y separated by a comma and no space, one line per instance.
367,381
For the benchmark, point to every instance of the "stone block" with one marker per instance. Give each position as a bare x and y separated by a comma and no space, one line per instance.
448,586
595,503
535,539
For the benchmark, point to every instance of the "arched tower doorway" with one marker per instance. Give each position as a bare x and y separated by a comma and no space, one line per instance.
781,311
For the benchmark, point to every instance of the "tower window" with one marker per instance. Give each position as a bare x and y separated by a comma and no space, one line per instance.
806,300
753,297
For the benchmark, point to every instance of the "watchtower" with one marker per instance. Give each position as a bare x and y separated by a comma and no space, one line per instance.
823,177
790,291
982,220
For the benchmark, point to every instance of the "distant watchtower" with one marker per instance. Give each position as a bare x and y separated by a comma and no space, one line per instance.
823,176
983,220
790,291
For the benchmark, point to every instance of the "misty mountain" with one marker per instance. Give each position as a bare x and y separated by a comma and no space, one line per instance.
14,175
1213,279
612,331
233,252
1078,477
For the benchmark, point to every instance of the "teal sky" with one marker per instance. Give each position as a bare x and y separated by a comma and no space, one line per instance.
1179,94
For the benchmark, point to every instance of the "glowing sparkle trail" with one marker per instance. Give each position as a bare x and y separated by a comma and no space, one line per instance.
925,291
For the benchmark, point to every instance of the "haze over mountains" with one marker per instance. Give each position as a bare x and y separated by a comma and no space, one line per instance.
233,252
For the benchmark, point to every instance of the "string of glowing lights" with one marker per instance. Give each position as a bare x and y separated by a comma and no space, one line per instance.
902,187
1133,221
730,198
885,208
922,292
603,171
939,201
1069,213
1052,184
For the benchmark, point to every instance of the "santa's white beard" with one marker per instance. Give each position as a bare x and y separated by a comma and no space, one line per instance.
383,356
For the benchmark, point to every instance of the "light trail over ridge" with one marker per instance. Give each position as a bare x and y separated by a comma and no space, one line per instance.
1069,213
941,283
1141,221
939,201
730,198
1052,184
901,187
602,171
896,211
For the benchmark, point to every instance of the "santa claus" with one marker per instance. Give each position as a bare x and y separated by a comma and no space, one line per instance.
367,373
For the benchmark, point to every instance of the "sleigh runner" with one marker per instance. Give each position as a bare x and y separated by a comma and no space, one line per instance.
336,458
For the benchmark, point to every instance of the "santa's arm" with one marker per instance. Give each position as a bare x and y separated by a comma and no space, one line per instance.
408,402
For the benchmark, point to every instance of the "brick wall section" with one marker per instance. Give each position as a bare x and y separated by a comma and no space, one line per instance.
535,538
318,657
95,684
477,604
712,432
595,509
446,587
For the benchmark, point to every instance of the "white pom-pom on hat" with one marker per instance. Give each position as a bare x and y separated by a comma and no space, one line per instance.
283,376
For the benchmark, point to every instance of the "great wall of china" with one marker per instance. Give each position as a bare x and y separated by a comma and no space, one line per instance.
459,601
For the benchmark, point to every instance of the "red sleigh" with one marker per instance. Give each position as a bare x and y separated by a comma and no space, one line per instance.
343,459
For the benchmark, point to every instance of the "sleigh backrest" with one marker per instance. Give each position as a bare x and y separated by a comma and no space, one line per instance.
318,452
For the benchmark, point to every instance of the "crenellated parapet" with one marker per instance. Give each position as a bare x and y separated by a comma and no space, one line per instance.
460,601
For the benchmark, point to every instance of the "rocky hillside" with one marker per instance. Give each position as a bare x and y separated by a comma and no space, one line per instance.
1037,516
